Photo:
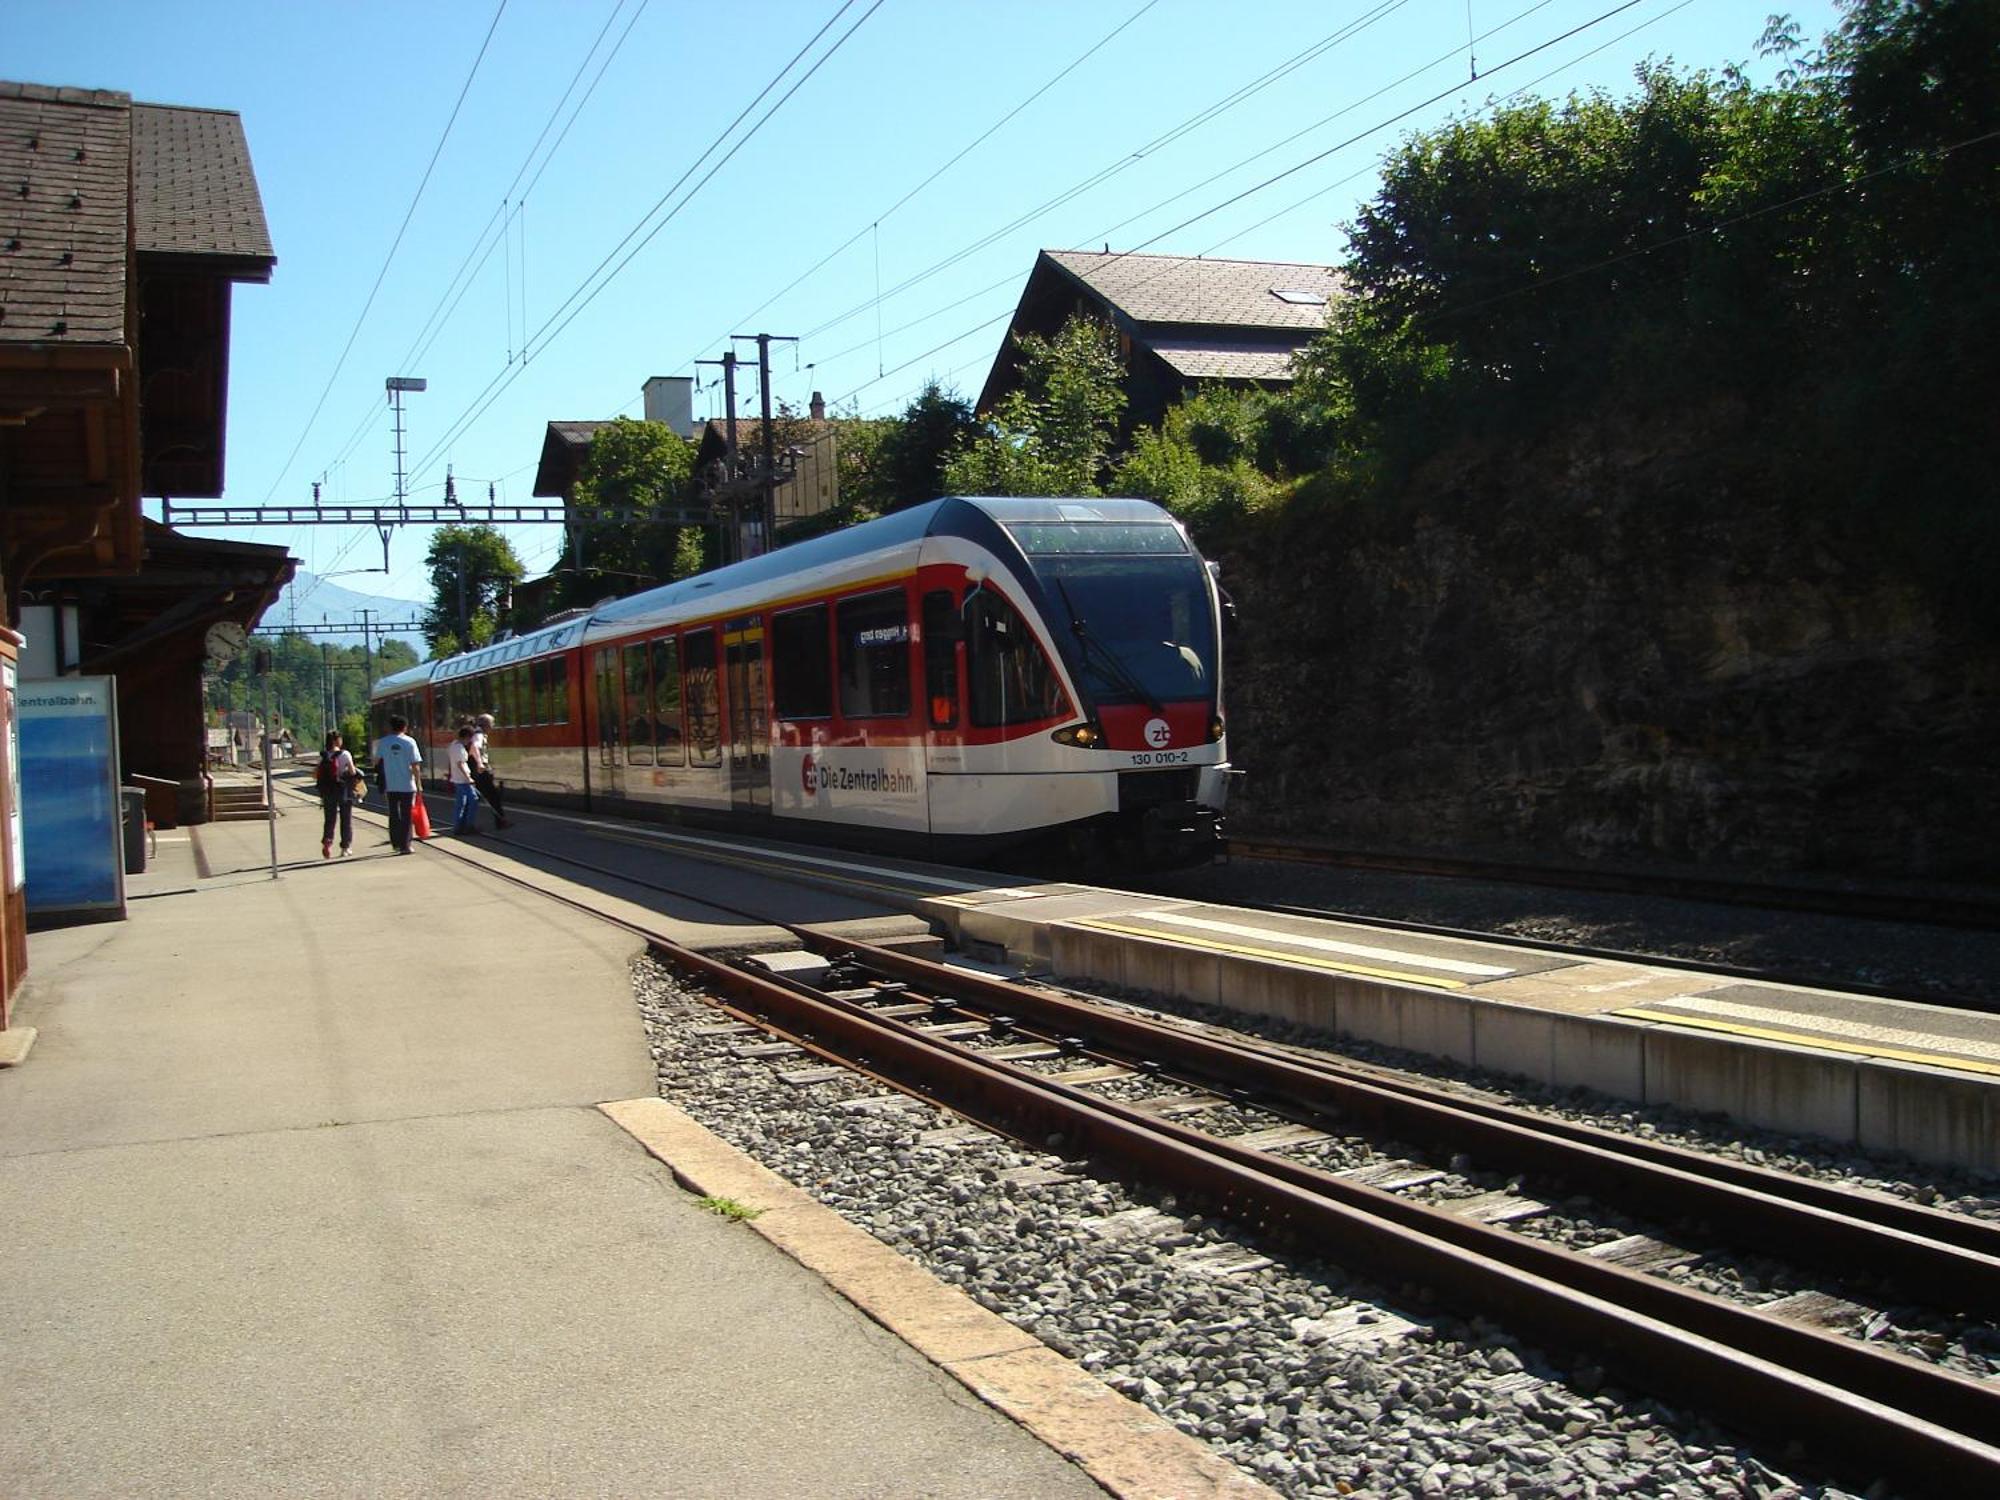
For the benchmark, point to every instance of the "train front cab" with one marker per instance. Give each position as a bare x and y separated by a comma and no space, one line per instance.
1120,750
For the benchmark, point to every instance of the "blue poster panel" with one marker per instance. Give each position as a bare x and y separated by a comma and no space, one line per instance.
69,796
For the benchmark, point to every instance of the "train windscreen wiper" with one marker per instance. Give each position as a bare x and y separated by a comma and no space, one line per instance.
1108,661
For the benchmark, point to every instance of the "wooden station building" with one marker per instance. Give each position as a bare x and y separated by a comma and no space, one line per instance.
127,226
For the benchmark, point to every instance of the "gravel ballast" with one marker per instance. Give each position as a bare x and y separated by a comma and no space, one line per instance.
1317,1382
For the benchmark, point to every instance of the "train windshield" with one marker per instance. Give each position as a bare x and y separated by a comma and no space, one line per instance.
1137,607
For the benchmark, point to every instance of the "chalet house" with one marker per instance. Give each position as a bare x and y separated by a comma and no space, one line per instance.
805,457
1180,321
129,225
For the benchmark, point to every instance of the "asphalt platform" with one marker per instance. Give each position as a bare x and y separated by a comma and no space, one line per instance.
307,1192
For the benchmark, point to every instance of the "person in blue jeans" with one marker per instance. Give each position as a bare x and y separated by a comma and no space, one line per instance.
461,760
401,778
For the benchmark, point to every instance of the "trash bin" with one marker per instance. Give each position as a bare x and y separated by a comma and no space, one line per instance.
134,800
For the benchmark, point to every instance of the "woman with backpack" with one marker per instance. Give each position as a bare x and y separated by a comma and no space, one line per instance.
333,779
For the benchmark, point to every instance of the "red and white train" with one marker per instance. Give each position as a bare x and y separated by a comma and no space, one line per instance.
957,679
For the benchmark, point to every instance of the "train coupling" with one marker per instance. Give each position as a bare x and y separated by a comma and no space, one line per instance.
1180,833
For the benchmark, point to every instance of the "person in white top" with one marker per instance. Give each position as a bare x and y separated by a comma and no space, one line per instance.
460,760
399,757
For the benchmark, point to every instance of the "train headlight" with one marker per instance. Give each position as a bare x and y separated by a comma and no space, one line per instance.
1085,736
1214,728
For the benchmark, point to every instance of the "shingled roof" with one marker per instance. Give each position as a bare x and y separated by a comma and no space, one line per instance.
194,192
65,192
564,445
86,177
1180,319
1214,293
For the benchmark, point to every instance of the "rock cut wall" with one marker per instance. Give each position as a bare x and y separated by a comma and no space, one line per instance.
1577,656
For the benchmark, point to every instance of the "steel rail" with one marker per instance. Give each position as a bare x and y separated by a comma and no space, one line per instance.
1943,1254
1871,1409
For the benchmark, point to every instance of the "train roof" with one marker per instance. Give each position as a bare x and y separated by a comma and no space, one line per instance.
952,515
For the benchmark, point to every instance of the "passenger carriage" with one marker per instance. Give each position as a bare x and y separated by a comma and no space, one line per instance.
954,679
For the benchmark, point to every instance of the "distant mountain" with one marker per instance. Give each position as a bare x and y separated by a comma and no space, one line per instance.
310,600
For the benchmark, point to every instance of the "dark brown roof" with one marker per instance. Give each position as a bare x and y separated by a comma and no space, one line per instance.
194,192
65,198
1231,293
563,447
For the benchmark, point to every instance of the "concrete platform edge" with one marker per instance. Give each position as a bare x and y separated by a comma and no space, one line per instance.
1928,1114
1127,1450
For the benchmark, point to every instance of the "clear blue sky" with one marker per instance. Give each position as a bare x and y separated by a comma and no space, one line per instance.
345,104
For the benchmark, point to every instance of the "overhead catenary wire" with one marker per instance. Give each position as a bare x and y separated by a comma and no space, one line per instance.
389,259
964,151
488,240
578,300
1277,177
1536,82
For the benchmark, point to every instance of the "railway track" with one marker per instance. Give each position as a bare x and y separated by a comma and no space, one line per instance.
1796,1383
1036,1065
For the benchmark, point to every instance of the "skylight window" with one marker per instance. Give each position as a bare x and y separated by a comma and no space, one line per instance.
1298,296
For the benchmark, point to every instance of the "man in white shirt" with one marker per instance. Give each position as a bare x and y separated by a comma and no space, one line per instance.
459,761
401,782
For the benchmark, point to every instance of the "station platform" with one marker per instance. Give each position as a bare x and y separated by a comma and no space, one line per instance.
310,1193
1885,1075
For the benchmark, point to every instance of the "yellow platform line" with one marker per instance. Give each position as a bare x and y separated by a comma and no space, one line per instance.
1805,1039
1177,940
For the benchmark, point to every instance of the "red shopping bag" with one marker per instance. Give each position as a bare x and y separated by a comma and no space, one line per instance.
420,818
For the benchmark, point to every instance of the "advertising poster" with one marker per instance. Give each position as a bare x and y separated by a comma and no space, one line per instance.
69,796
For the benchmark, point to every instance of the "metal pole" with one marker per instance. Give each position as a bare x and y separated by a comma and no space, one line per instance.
464,618
367,649
270,799
770,468
733,552
325,690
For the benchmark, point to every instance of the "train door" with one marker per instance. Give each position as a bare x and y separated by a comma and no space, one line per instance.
748,722
605,716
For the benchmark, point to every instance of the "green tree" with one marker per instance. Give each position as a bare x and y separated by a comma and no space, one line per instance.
471,570
919,444
1202,461
1053,435
630,464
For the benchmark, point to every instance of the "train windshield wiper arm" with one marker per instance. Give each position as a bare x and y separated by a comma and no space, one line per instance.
1108,661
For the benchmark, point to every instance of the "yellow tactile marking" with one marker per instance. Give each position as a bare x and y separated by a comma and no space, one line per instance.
1133,1453
1177,940
1805,1039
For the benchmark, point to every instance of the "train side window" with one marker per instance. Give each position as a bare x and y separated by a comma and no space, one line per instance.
1012,681
524,697
801,677
942,632
638,708
503,698
874,636
559,689
704,706
667,701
